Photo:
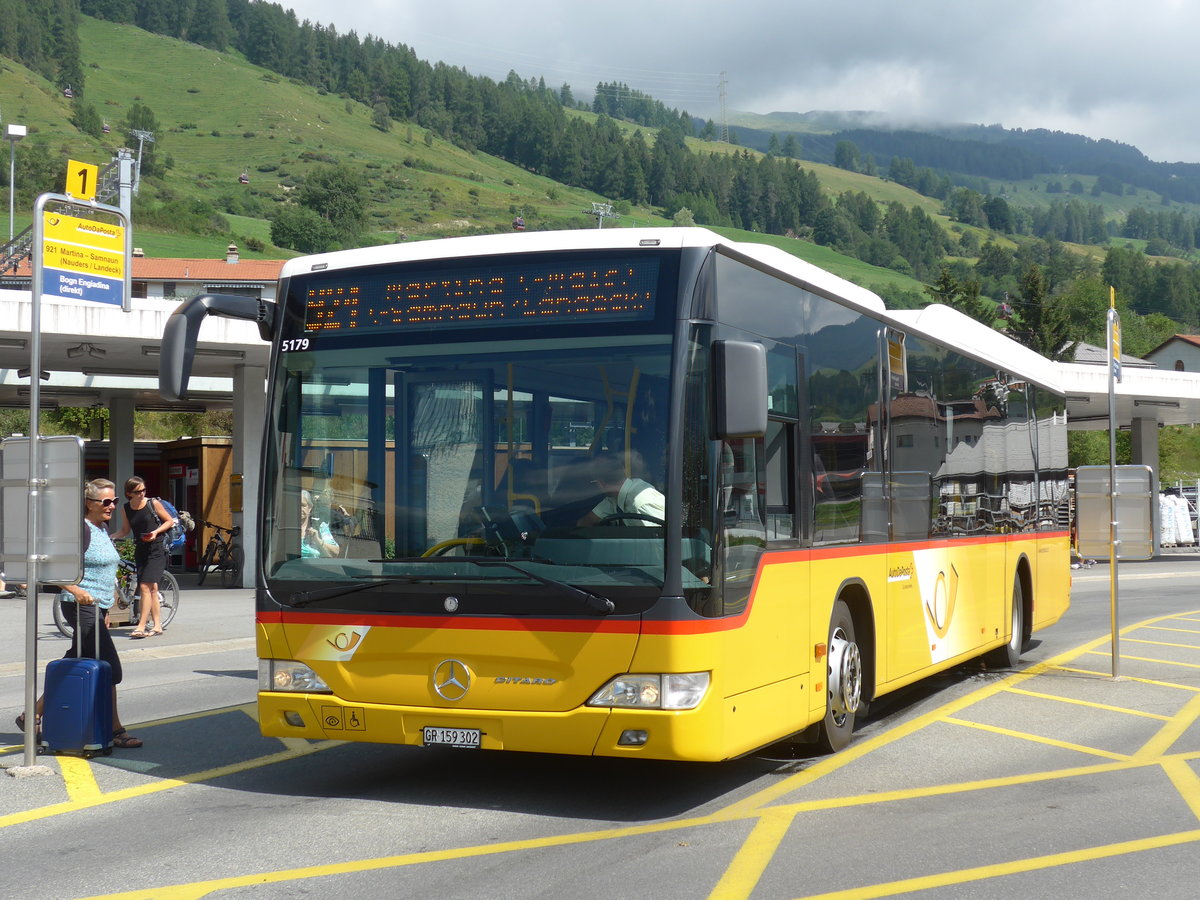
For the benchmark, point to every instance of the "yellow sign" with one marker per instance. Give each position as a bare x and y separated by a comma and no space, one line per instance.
1114,343
81,179
83,245
897,363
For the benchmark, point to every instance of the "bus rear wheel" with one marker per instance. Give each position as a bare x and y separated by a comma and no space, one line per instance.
843,681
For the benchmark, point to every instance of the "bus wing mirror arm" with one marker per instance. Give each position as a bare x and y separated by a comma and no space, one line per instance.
740,389
183,329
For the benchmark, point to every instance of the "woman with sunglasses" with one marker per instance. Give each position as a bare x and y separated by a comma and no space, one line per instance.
94,595
146,518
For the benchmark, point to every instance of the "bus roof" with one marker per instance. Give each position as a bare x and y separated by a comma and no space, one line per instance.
588,239
982,342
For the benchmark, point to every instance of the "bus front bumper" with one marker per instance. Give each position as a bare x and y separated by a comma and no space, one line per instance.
585,731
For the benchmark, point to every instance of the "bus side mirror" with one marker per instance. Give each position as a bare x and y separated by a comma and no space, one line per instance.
178,348
740,389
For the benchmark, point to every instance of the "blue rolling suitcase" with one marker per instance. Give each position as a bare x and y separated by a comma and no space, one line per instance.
77,711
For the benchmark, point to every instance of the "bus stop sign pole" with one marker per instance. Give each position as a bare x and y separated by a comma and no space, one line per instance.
1114,375
101,273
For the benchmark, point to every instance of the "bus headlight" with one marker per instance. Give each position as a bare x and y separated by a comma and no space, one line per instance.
289,676
676,691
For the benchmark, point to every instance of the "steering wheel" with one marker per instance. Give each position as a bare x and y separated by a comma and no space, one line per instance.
619,516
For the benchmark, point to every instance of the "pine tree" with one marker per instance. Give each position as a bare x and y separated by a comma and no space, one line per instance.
963,296
1041,323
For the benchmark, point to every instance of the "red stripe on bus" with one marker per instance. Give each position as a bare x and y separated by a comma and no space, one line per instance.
635,626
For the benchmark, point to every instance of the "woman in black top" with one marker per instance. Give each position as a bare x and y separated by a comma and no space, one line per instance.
146,518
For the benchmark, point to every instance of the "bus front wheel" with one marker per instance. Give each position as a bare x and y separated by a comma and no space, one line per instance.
843,680
1010,654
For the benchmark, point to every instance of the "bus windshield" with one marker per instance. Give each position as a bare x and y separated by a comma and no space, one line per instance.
527,474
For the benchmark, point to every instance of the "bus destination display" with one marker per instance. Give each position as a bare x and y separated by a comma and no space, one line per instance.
611,290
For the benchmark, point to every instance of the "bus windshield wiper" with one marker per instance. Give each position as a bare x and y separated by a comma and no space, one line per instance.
305,598
594,603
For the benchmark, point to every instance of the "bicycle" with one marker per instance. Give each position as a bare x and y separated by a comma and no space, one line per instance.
127,597
223,555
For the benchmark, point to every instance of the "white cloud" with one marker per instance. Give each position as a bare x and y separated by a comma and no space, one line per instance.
1101,68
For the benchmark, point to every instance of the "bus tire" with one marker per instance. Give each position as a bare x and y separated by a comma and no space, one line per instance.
1010,654
844,681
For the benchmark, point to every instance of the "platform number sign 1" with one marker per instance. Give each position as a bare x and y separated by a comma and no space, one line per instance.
81,180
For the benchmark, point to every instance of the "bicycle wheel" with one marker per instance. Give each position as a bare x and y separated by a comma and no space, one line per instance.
127,594
60,620
231,567
206,562
168,598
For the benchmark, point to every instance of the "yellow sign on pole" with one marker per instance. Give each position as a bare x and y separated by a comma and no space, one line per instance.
1114,335
81,180
85,258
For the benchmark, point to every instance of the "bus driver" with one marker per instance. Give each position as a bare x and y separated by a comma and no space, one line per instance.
632,496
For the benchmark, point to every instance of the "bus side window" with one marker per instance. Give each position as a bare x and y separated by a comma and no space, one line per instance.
780,466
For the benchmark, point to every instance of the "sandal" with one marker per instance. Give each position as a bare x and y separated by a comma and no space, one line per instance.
122,740
156,632
20,720
138,634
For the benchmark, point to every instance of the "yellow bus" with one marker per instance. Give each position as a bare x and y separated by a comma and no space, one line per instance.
633,493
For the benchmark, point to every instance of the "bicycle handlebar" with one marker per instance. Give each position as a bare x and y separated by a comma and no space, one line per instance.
232,532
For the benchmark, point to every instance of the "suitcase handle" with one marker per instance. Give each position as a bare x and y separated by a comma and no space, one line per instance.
79,628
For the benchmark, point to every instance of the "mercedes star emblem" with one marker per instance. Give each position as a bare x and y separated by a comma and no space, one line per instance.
451,679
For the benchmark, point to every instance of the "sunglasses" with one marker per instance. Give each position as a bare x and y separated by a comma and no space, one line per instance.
107,501
140,490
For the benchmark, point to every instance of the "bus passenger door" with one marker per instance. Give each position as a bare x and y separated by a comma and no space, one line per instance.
911,450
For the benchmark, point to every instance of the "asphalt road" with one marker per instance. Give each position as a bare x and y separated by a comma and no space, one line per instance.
1053,780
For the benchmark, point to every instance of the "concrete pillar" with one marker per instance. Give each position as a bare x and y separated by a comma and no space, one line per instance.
120,442
249,414
1143,441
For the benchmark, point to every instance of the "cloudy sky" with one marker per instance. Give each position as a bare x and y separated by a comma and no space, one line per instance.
1119,70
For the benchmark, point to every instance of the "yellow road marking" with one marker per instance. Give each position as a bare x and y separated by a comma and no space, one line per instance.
1186,781
963,787
783,812
1036,738
1131,640
1151,681
1017,866
201,888
1177,630
752,859
862,748
1171,732
166,784
79,779
1150,659
1089,703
